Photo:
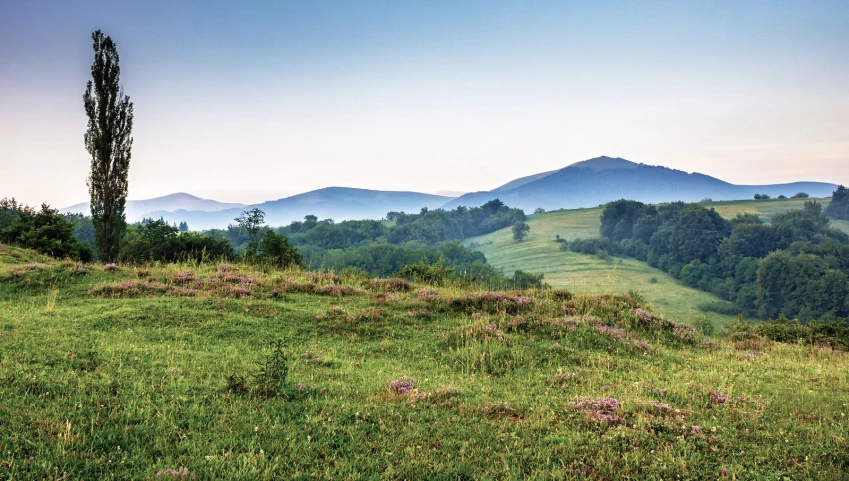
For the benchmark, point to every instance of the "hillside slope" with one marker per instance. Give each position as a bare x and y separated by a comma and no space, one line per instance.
198,372
539,253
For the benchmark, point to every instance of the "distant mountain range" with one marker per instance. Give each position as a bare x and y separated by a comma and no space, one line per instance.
603,179
583,184
337,203
137,209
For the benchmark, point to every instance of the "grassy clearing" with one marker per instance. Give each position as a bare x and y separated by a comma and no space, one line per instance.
538,253
128,373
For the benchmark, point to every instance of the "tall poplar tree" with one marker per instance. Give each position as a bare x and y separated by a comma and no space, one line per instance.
108,141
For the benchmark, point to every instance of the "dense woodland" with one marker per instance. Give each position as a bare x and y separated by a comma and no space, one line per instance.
796,265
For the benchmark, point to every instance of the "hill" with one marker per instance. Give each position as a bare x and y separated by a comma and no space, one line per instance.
337,203
198,372
138,209
603,179
538,253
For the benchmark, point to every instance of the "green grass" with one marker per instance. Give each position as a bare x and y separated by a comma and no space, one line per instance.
538,253
122,386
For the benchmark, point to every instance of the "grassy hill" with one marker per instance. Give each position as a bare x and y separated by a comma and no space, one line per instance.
131,372
539,253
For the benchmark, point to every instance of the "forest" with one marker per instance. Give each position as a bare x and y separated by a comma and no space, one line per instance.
796,265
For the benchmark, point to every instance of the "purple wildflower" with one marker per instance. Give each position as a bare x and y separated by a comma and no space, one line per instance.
403,385
717,397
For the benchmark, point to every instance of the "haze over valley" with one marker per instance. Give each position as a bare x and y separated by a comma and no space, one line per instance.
587,183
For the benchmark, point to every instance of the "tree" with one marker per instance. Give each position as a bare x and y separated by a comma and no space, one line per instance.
184,227
800,195
251,221
520,230
839,206
108,141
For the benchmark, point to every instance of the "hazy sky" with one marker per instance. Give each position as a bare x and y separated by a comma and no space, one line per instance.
266,99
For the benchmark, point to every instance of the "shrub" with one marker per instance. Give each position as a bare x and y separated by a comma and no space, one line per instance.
434,274
834,334
276,250
390,285
275,370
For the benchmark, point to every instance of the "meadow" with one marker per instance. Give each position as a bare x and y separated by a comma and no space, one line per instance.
539,253
187,371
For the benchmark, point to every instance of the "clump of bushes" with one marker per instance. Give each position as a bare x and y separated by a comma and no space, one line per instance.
45,231
834,334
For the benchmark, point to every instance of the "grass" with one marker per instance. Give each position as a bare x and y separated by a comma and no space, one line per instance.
128,373
538,253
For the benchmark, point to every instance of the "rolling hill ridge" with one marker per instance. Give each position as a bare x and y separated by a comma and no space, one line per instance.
603,179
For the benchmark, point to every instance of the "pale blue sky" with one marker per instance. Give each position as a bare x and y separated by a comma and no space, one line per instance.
252,101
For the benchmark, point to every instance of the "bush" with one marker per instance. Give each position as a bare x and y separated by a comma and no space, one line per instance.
434,274
275,249
834,334
703,326
157,241
527,280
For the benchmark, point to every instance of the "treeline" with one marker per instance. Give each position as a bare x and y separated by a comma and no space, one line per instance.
384,248
381,248
797,265
43,230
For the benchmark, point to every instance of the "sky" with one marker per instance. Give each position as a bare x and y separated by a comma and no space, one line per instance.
253,101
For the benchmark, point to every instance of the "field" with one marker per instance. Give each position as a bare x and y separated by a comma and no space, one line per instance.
168,372
539,253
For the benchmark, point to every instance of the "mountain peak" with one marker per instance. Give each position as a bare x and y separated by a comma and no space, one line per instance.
605,163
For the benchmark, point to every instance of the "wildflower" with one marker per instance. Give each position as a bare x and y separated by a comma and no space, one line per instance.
564,377
402,385
110,267
600,409
717,397
498,409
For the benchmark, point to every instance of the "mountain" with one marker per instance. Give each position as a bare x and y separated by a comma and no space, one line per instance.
137,209
337,203
522,181
603,179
